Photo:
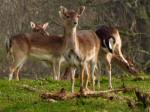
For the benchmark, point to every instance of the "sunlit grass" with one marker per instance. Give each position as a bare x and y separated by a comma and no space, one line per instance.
14,97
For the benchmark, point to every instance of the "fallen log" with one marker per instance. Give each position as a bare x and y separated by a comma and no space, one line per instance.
63,95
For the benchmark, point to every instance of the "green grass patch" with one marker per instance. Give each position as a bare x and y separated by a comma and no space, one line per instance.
14,97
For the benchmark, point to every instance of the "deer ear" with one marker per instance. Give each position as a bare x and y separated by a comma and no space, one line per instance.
45,25
32,25
81,10
62,11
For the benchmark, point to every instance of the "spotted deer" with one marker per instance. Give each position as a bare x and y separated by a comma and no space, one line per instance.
111,36
39,45
46,48
84,45
40,28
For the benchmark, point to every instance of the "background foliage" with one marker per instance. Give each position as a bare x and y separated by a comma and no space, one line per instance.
132,17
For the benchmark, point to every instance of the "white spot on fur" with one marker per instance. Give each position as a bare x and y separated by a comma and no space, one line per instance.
42,56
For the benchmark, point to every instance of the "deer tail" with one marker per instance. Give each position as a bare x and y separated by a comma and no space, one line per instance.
8,45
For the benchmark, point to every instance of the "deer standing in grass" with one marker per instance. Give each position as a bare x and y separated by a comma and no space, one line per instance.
110,39
84,46
45,48
37,44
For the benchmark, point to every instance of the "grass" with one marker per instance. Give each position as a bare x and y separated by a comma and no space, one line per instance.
14,97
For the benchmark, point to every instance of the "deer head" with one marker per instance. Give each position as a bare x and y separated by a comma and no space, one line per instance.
41,28
70,20
70,17
132,67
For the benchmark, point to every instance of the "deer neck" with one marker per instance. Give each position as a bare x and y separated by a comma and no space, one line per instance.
70,37
121,63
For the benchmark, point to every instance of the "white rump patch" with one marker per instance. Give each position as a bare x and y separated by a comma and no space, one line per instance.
111,42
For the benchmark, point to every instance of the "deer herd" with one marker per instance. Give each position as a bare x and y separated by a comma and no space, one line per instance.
77,48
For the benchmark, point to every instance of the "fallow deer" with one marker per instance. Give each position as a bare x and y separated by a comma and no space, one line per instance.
112,37
84,45
40,28
46,48
35,44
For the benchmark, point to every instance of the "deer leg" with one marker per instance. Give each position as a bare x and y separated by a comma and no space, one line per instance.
98,75
18,63
54,71
93,76
58,69
108,59
109,72
82,76
12,70
87,76
73,70
17,72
